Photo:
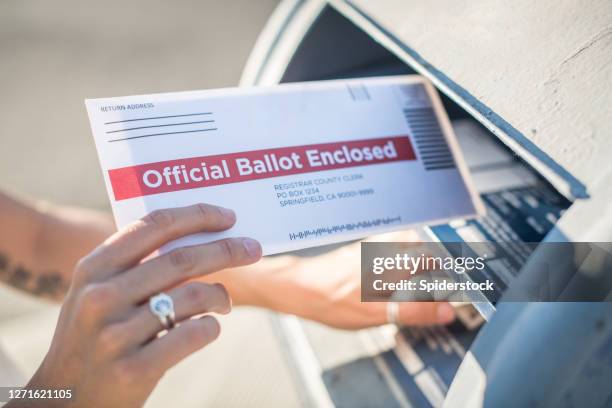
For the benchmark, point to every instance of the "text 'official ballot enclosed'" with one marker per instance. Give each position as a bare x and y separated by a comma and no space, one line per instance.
301,164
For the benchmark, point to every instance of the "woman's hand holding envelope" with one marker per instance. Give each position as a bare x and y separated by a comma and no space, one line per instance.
107,347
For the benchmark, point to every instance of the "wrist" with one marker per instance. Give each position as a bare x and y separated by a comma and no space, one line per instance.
239,283
284,284
263,284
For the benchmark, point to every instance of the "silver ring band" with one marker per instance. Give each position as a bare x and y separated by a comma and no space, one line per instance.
393,313
162,306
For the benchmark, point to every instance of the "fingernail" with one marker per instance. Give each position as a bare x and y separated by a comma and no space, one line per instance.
227,309
227,213
252,247
446,313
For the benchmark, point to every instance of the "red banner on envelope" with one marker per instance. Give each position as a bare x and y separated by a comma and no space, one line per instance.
205,171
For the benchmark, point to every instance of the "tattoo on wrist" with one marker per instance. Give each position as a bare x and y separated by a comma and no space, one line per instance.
48,285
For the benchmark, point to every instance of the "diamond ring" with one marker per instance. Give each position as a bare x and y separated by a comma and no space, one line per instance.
162,306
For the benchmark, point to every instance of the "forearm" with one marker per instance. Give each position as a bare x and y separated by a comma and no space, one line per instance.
67,234
40,243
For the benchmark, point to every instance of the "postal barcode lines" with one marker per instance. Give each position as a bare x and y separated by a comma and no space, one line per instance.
429,139
334,229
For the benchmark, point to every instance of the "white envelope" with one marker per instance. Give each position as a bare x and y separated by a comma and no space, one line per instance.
301,164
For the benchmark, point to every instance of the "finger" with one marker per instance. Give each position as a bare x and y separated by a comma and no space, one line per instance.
425,313
186,263
164,352
131,244
409,314
189,300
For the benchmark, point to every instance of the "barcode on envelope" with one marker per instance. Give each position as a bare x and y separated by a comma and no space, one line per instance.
430,142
